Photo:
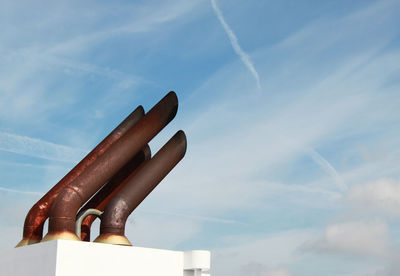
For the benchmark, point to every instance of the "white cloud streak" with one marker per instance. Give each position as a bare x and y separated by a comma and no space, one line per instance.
21,191
235,44
327,167
39,148
194,217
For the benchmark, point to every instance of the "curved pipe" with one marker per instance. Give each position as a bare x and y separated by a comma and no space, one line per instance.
37,215
100,200
82,215
71,198
112,227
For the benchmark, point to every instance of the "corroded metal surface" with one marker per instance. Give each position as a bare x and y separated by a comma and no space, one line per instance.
71,198
147,177
34,221
100,200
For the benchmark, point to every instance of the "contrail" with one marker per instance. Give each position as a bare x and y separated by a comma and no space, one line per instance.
21,192
326,166
203,218
235,44
38,148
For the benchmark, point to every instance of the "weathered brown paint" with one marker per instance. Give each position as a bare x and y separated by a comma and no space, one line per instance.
71,198
147,177
36,217
100,200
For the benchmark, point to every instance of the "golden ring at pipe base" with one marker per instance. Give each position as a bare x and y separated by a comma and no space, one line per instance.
113,239
61,236
24,242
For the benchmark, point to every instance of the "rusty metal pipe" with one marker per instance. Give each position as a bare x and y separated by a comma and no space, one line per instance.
71,198
100,200
112,227
37,215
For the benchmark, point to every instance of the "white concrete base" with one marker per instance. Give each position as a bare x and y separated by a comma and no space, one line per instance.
67,258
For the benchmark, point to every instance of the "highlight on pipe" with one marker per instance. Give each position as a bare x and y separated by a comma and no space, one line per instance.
115,177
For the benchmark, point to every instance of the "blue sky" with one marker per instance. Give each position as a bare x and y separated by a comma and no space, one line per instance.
290,110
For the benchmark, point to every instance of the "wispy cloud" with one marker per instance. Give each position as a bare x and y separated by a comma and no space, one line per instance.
327,167
235,44
354,237
38,62
21,191
39,148
35,165
194,217
380,197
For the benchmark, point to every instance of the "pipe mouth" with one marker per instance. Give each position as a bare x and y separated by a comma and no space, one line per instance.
24,242
61,236
139,110
146,152
172,98
180,137
113,239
